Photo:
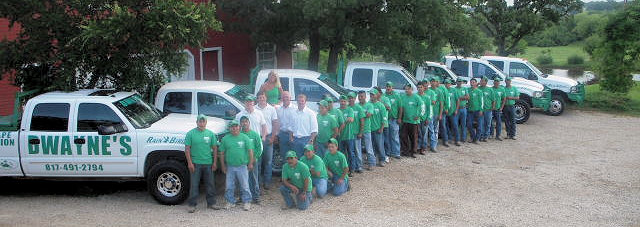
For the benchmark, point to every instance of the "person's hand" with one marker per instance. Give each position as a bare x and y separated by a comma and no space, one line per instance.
416,118
481,113
192,168
295,190
439,117
381,129
360,135
303,196
291,138
340,181
455,113
250,166
330,174
224,169
399,121
214,167
272,139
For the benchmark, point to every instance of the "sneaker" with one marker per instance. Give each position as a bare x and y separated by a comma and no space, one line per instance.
498,139
433,150
381,164
367,168
445,144
246,206
229,205
285,207
214,207
457,144
397,157
191,209
386,159
256,201
266,187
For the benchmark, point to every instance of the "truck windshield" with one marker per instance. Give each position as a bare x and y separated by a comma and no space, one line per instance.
535,70
139,113
333,85
410,76
237,93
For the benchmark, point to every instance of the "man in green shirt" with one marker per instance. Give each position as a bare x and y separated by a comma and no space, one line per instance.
337,169
463,97
327,127
377,125
357,127
365,133
425,117
489,105
318,170
336,113
254,174
385,122
201,148
452,113
296,179
347,135
511,95
409,117
236,155
394,127
439,114
500,98
476,105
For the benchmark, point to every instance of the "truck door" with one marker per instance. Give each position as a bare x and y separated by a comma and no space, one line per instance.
103,155
9,159
313,90
46,146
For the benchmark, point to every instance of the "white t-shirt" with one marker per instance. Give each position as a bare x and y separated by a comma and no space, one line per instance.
256,119
270,115
285,116
304,122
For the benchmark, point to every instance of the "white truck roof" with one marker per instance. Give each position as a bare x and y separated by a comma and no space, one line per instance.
199,84
376,64
85,94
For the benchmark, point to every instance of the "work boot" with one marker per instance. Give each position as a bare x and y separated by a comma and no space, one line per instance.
246,206
445,144
191,209
457,144
498,139
433,150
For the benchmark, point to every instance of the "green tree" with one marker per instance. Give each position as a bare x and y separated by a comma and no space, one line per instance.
618,53
126,44
509,24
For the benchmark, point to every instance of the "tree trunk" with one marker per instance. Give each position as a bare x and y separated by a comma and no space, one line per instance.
314,49
334,52
501,45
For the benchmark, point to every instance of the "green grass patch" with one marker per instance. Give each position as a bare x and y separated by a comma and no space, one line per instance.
628,104
560,55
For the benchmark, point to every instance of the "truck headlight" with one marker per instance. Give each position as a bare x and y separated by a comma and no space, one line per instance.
574,89
537,94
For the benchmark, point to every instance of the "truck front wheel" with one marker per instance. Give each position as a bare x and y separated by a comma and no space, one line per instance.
168,182
556,106
522,111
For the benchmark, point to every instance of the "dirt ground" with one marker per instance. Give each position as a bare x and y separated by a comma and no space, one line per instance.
578,169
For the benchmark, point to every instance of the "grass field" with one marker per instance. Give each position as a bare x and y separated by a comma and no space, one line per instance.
596,99
559,55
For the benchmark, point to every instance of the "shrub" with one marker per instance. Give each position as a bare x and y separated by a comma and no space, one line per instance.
544,59
608,101
575,60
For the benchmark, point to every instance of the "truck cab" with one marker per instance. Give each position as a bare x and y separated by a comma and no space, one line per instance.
362,76
212,98
562,89
534,94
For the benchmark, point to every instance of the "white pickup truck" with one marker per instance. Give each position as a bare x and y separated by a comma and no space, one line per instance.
100,135
362,76
563,89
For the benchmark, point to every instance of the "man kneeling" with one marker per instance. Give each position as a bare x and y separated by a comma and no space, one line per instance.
296,179
317,168
337,168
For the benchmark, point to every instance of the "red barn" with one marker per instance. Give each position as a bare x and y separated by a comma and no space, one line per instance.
7,90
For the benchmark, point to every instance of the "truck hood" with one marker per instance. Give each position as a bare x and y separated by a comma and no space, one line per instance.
559,80
183,123
526,84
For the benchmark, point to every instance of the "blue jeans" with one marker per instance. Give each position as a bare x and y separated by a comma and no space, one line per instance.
387,141
358,152
462,120
204,172
254,185
241,174
285,145
487,123
497,115
321,186
378,144
266,165
368,146
299,143
321,148
443,128
475,131
394,134
338,189
302,205
510,120
348,147
423,138
432,134
453,123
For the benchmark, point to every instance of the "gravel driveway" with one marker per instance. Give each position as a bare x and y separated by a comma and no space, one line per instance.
578,169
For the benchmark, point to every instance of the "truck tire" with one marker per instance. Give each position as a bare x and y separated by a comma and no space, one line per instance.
522,111
168,182
556,107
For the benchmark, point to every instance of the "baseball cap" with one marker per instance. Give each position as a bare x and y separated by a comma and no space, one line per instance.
447,81
373,91
497,79
333,141
351,95
291,154
485,78
389,84
233,122
343,97
509,78
250,98
309,147
435,78
323,103
201,117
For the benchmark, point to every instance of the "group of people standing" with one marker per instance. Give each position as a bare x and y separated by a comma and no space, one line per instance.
321,150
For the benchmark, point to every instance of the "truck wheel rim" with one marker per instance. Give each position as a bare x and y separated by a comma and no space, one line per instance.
519,112
556,106
169,184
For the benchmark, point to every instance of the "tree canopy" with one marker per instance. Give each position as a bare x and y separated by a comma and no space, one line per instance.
125,44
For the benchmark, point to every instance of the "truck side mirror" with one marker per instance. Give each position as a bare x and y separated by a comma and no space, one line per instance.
111,129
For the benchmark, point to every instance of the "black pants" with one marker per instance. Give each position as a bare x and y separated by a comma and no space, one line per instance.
409,138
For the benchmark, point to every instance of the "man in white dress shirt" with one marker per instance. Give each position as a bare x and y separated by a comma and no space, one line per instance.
304,127
273,125
256,118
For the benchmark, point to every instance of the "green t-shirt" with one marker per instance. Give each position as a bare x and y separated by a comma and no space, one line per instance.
368,108
476,100
427,112
461,92
378,116
347,133
201,143
435,97
337,114
488,97
498,96
317,165
394,100
386,103
412,107
236,149
326,125
297,175
256,140
358,113
453,100
511,92
336,163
